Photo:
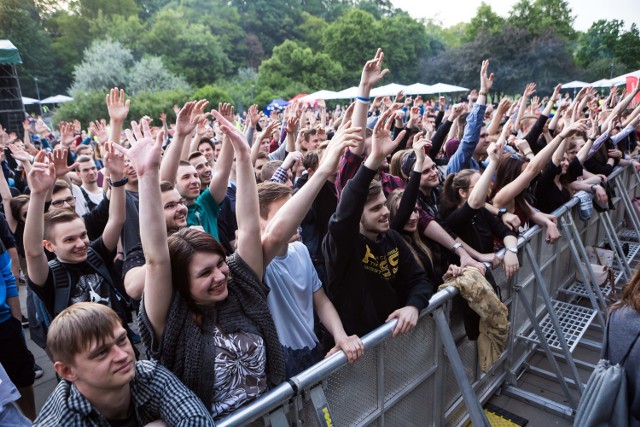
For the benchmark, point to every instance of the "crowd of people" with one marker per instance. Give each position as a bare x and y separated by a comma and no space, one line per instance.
248,247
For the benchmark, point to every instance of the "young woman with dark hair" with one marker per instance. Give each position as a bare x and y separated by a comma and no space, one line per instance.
204,316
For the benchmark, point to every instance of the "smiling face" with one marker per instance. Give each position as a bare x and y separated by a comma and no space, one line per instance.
208,274
375,217
88,172
203,167
429,178
175,211
188,182
69,241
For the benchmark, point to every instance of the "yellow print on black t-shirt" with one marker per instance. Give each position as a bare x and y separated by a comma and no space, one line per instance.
385,266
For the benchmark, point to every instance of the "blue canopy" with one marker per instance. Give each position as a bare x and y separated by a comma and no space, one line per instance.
276,104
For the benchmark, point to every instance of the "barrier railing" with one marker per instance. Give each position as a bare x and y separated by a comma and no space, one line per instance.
431,375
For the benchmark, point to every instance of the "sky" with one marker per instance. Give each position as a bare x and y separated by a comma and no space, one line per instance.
451,12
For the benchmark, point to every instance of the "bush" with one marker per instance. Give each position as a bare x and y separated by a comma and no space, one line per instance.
213,94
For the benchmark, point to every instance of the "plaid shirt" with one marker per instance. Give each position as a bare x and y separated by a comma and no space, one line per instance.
349,165
156,393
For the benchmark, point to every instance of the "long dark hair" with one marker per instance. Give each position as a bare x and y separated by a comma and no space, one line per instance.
183,245
509,168
630,293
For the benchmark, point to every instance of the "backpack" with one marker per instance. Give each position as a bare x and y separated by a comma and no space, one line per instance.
90,205
604,402
39,316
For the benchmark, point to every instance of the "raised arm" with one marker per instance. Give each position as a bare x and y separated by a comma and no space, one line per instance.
41,180
288,218
529,90
503,107
118,108
478,195
114,164
515,187
220,179
145,155
186,120
247,207
372,74
5,193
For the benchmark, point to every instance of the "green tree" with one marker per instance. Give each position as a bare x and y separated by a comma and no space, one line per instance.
271,21
150,74
405,41
213,94
606,48
486,20
20,23
293,65
351,40
310,31
104,66
543,17
188,49
127,30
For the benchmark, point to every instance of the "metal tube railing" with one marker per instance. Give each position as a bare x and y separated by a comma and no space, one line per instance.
434,376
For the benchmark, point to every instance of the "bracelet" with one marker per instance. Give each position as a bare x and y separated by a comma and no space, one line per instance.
120,183
593,188
482,93
362,99
513,249
456,246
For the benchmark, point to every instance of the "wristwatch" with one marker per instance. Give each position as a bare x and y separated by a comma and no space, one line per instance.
501,212
513,249
456,246
119,183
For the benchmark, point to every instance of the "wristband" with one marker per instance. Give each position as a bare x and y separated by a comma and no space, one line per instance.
120,183
593,189
456,246
501,212
362,99
482,93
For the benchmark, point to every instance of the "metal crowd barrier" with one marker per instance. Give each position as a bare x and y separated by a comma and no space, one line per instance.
431,375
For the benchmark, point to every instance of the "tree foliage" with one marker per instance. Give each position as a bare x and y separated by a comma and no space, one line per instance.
294,65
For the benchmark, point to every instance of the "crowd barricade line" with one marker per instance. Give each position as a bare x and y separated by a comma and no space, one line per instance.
431,376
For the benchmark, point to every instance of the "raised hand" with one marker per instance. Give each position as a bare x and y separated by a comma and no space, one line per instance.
291,159
18,152
372,73
253,115
186,119
456,110
99,130
114,161
235,136
399,97
421,146
59,160
145,152
381,144
529,90
117,106
66,133
42,175
346,136
486,79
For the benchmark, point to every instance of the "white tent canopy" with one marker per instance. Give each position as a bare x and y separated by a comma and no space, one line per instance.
56,99
418,89
601,83
576,84
321,94
388,90
29,101
348,93
446,88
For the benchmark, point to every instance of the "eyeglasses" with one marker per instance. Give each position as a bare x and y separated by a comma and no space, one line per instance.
171,206
60,203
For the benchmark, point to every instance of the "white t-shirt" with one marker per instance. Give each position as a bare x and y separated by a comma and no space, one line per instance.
292,281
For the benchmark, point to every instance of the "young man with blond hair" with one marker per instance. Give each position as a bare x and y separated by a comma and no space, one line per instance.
103,385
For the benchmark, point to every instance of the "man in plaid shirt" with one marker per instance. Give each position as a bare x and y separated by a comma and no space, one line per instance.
103,385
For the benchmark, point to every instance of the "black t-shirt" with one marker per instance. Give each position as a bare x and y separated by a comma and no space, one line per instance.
477,227
130,421
86,283
548,196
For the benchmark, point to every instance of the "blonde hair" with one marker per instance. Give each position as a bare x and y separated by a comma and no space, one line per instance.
77,327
